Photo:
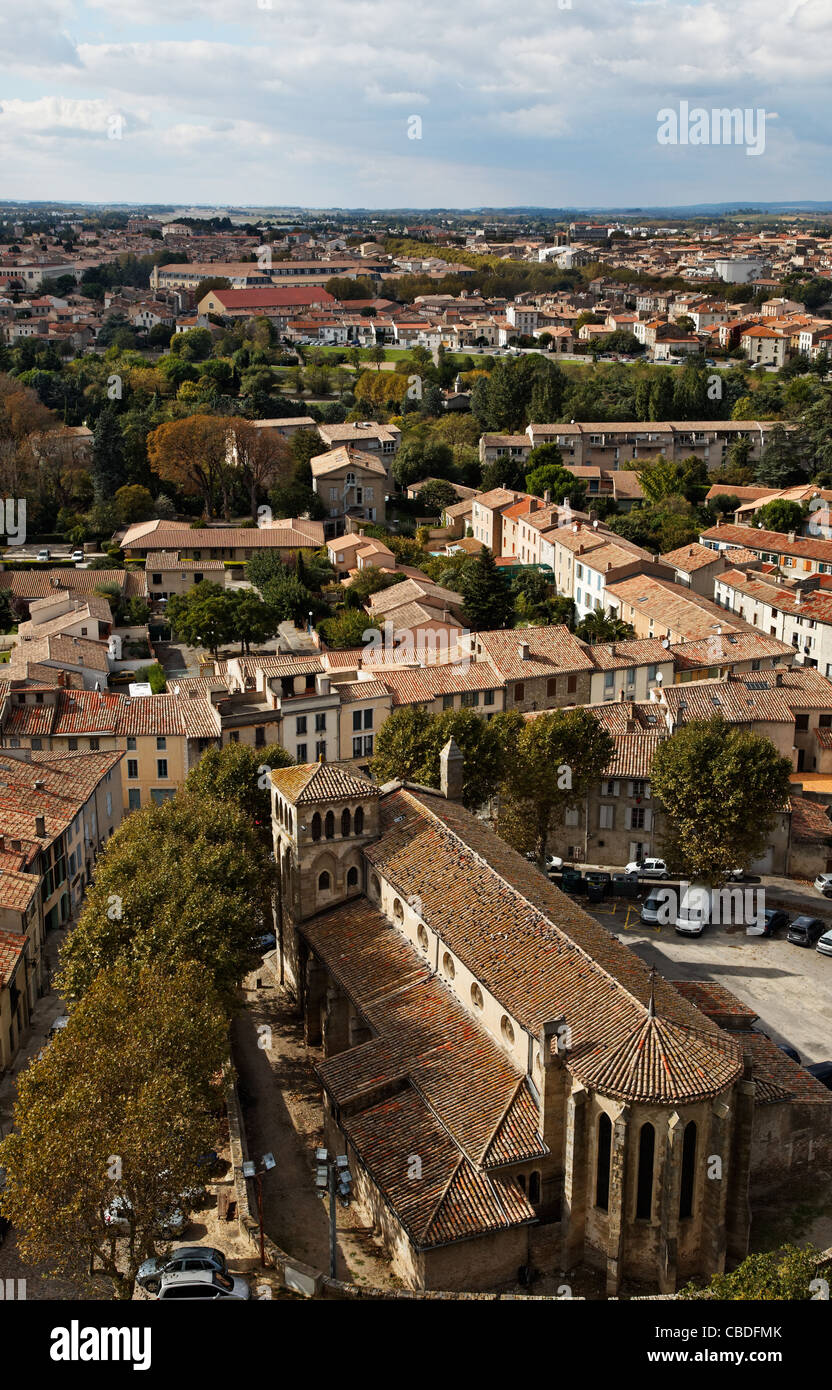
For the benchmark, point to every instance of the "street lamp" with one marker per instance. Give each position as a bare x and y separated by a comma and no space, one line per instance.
332,1174
250,1170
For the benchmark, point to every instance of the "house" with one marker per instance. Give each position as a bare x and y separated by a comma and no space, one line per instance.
352,486
539,667
233,543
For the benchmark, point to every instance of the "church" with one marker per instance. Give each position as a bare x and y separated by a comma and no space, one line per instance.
516,1093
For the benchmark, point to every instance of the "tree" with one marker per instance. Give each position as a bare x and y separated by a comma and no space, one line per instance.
410,741
253,620
782,1275
107,455
780,515
603,627
289,599
133,503
559,482
206,900
204,617
192,454
781,463
557,758
719,787
487,598
434,497
347,629
234,775
264,566
118,1109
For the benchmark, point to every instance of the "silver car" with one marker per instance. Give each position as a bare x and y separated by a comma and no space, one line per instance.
202,1284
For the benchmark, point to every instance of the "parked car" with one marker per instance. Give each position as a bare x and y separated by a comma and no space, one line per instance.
824,944
694,911
58,1025
647,868
266,942
553,863
735,875
805,931
823,1073
650,909
77,556
45,554
185,1260
774,920
121,677
823,883
202,1283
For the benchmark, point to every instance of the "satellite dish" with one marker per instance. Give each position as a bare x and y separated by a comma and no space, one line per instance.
665,642
659,677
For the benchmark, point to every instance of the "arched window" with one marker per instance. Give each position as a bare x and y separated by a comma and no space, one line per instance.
422,937
329,825
602,1165
398,910
688,1170
323,882
644,1184
375,886
534,1188
507,1030
352,877
476,996
359,820
346,821
521,1181
448,965
316,827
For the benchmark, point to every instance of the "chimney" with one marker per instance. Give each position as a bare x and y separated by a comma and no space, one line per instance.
451,769
791,537
40,827
523,651
547,497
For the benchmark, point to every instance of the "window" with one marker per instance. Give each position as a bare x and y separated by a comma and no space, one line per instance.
346,821
94,745
571,684
316,826
132,768
801,721
571,816
234,736
534,1188
825,721
357,746
602,1163
488,697
398,910
368,719
422,938
156,581
358,820
161,768
447,701
610,788
134,799
644,1181
300,724
37,743
507,1030
329,826
72,745
259,737
320,750
323,882
356,719
160,794
300,753
368,745
609,682
519,691
448,965
161,745
688,1171
469,699
606,817
131,745
320,723
476,996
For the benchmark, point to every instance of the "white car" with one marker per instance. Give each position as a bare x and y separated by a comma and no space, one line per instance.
647,868
823,883
553,863
76,557
202,1284
44,554
824,944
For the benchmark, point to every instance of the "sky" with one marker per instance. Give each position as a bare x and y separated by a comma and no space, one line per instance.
409,103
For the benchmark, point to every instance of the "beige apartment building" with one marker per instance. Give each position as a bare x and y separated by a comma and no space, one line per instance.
608,444
352,485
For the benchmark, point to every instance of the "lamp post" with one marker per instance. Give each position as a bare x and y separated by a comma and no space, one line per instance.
250,1170
332,1175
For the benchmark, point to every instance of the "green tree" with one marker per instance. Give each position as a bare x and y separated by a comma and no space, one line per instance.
557,758
133,503
107,456
557,481
253,620
118,1109
437,495
603,627
347,629
720,788
234,775
784,1275
204,617
488,601
206,900
410,741
780,515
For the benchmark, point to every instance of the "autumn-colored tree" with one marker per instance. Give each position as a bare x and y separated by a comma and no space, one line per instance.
193,455
263,458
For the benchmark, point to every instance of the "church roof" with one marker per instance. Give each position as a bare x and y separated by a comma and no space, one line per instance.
311,782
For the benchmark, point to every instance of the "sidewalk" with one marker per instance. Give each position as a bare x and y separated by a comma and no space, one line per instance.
46,1010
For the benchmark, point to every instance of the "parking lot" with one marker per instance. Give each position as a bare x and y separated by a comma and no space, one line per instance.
789,987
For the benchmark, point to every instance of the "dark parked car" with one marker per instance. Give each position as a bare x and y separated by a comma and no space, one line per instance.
599,877
823,1072
774,920
187,1258
571,879
805,931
